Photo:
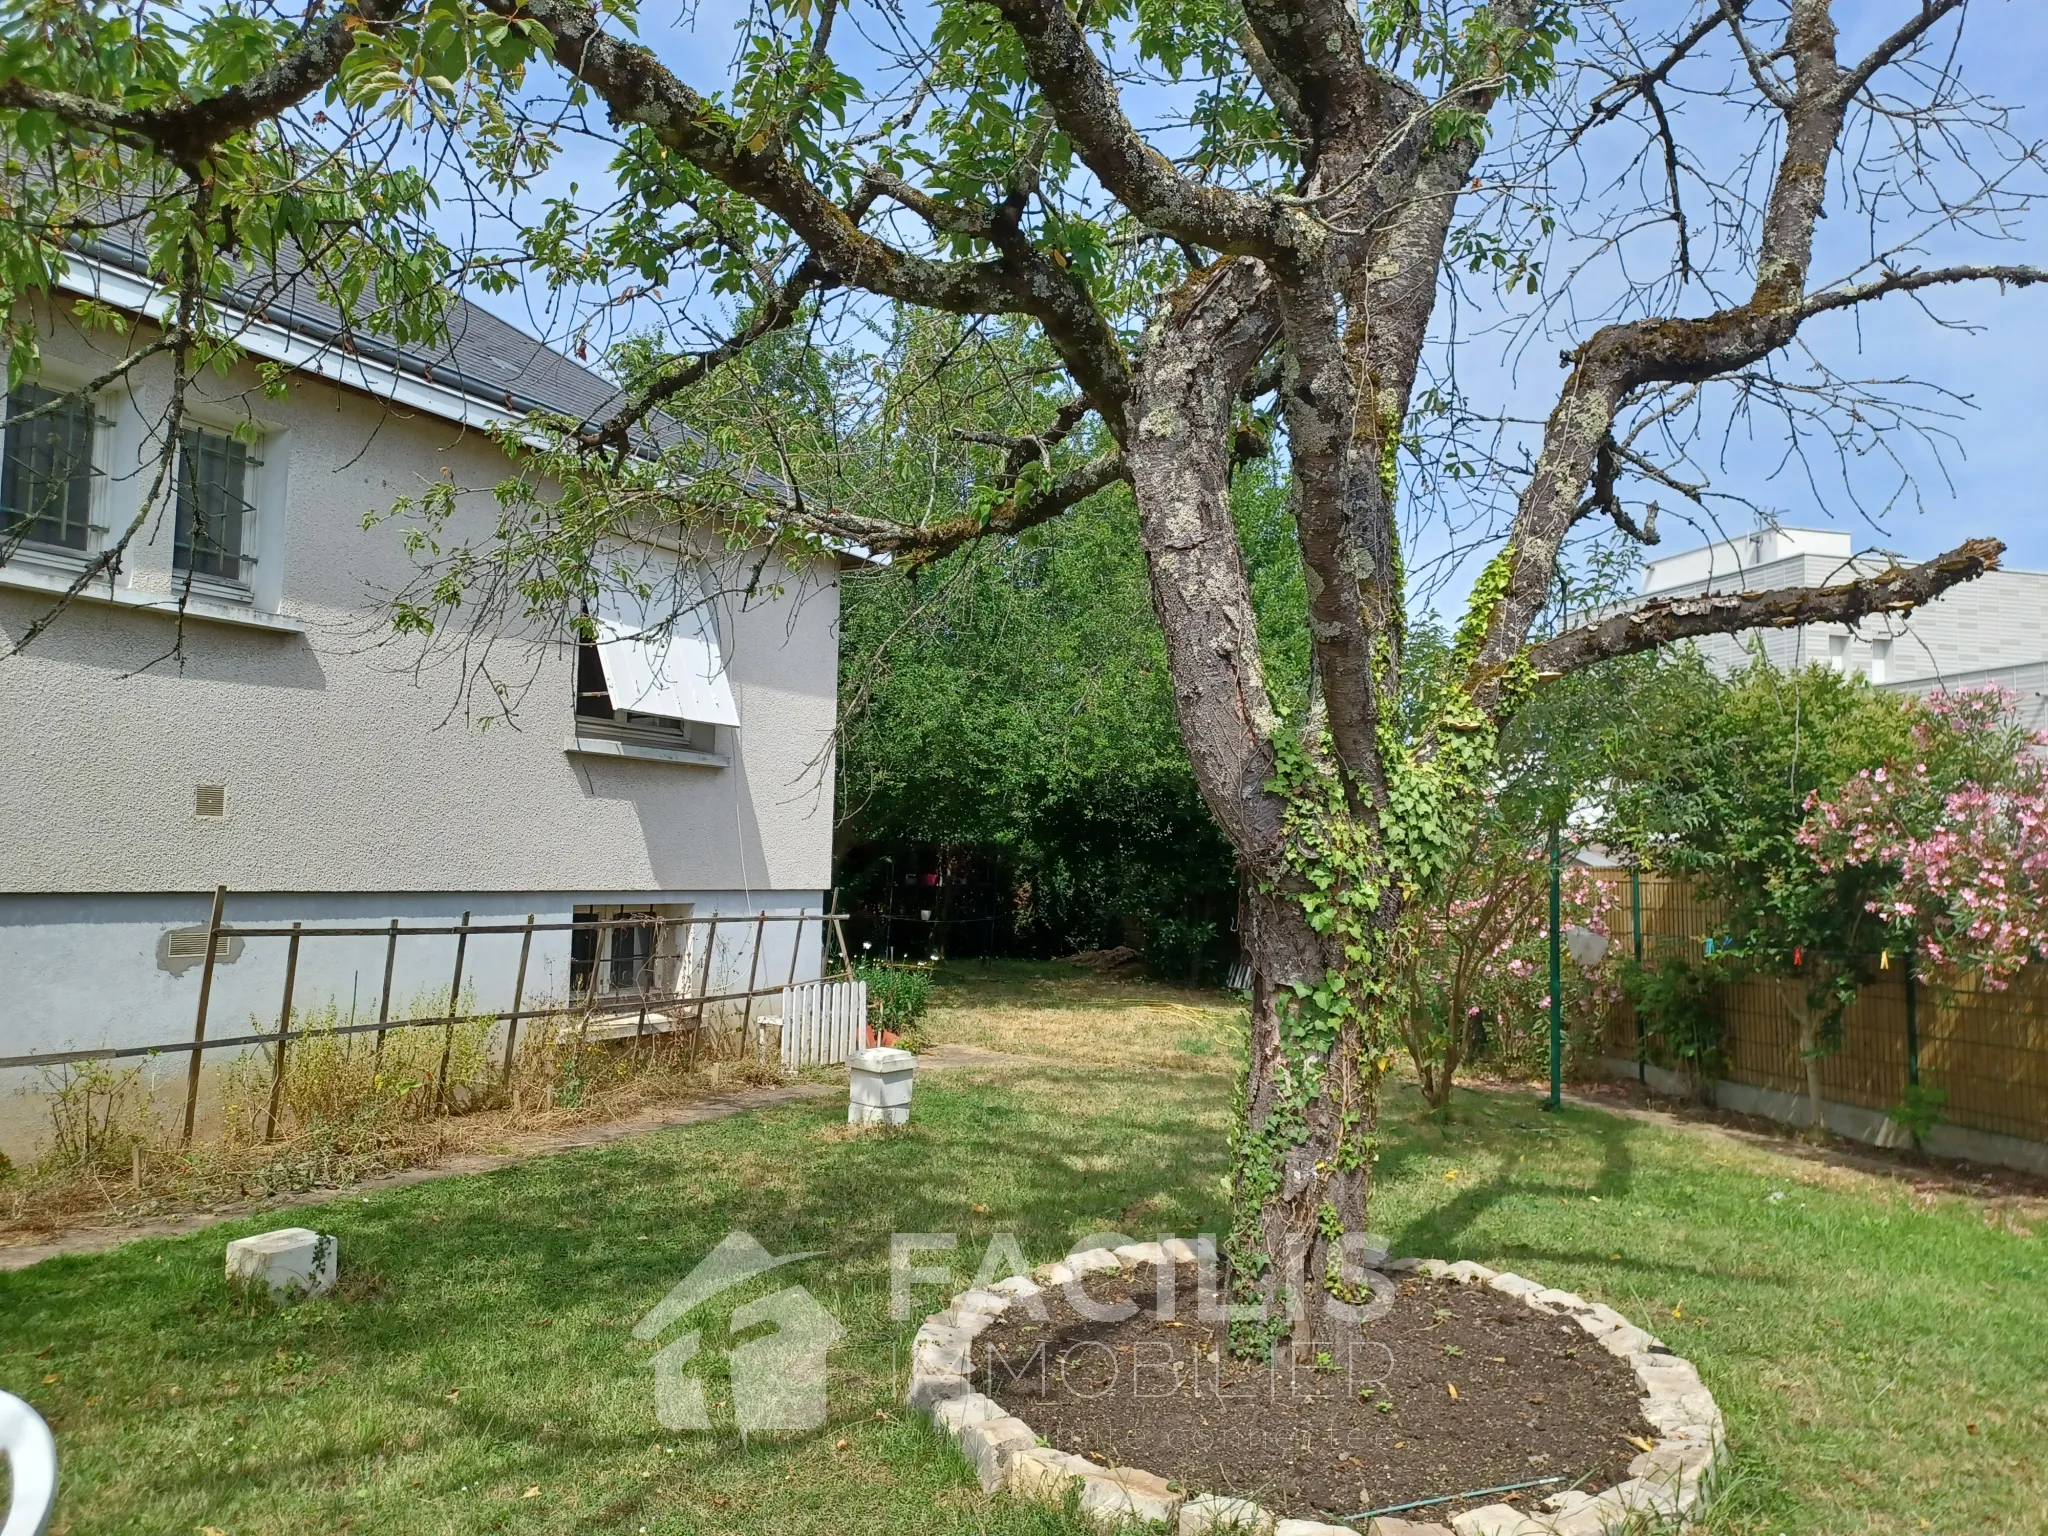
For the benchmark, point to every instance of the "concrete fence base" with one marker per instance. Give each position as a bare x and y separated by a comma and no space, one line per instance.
1852,1121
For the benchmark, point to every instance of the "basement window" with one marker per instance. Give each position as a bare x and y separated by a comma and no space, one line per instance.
623,952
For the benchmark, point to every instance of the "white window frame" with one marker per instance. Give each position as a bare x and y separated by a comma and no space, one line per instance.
266,492
57,374
666,673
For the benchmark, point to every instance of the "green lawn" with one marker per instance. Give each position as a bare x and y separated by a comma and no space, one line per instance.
482,1347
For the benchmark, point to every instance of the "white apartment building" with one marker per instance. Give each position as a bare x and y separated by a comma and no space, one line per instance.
1991,630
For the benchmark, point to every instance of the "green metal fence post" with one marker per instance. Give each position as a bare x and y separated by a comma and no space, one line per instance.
1556,980
1635,915
1912,1024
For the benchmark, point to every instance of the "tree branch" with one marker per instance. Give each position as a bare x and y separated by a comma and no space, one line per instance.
1931,11
1775,90
1664,620
187,131
641,91
1625,90
1910,282
1084,101
918,546
781,308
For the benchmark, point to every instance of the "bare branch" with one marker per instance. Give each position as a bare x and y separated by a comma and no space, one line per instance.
1931,11
1665,620
916,546
1911,282
1776,92
1612,102
782,307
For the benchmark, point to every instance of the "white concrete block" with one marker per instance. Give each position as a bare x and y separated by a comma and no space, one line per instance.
989,1446
1387,1525
930,1387
954,1414
291,1262
1044,1473
1123,1495
878,1086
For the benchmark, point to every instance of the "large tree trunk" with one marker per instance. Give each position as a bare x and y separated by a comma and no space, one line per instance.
1302,1144
1302,1149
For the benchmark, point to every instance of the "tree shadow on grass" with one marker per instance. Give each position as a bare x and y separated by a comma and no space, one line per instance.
1453,1227
467,1270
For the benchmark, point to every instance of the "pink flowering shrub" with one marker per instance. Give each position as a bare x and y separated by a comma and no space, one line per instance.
1476,964
1958,832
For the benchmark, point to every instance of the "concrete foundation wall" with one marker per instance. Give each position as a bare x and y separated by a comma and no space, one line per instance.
87,971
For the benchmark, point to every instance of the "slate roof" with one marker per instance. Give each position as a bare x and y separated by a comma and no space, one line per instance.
484,357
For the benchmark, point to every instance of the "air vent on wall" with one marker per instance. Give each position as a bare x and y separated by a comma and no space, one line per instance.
178,950
212,800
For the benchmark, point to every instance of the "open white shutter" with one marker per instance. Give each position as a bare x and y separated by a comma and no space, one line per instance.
677,672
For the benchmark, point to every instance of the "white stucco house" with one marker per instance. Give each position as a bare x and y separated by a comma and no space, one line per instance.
297,755
1991,630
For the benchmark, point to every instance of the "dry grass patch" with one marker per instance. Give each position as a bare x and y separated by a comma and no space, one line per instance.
1048,1008
348,1110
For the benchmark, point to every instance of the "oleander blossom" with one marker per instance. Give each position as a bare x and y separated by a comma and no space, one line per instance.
1962,832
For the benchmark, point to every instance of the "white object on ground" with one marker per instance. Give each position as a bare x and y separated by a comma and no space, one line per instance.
292,1261
878,1087
31,1453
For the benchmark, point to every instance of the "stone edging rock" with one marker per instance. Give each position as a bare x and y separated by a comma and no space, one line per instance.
1665,1482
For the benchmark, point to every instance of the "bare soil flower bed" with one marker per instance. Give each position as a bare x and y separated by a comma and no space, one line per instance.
1457,1388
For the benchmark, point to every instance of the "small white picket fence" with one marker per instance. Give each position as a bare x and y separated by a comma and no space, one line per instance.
823,1023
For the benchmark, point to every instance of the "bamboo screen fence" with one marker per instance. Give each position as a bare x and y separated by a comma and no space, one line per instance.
1986,1050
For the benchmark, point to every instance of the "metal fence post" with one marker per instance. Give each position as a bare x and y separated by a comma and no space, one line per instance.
384,999
448,1029
518,996
753,975
220,898
1635,910
1912,1023
1556,981
284,1030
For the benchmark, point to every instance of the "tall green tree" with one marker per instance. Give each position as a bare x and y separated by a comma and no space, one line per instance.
1276,245
1711,779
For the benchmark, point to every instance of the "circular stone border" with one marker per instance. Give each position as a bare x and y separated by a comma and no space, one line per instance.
1665,1483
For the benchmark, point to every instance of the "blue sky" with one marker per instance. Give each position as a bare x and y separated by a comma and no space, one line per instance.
1992,480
